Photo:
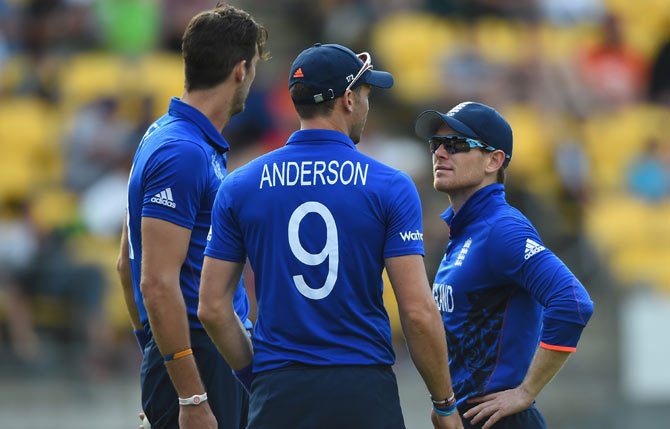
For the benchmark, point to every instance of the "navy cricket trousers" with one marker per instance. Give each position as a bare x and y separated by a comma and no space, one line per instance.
326,397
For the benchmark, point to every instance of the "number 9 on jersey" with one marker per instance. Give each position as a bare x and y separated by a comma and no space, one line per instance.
330,250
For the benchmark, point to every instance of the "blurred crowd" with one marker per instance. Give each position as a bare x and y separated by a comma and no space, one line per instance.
585,85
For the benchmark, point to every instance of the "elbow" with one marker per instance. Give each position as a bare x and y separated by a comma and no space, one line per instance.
420,319
122,265
586,310
206,314
154,292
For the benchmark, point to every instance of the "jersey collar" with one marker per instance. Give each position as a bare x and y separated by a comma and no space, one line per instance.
474,207
182,110
320,136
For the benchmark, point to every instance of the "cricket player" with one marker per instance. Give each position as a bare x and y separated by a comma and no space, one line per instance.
319,221
176,172
513,312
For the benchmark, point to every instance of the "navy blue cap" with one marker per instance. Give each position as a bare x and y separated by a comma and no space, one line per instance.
471,119
328,69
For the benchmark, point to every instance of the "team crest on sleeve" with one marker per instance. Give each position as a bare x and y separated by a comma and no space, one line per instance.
164,198
217,167
532,248
463,252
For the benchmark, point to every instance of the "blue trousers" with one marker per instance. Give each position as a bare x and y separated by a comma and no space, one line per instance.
530,418
332,397
226,396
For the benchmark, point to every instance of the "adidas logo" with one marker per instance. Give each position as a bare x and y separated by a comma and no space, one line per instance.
298,73
532,248
164,198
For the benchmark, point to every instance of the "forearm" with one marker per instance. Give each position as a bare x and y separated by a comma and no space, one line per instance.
129,298
545,365
228,333
428,349
169,326
125,276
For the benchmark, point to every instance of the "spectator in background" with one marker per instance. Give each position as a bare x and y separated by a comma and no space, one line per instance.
18,244
468,74
99,141
659,85
614,73
570,12
649,174
36,261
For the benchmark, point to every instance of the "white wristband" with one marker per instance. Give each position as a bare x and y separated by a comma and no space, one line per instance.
193,400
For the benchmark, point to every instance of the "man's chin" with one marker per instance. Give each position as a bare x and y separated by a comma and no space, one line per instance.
440,186
237,109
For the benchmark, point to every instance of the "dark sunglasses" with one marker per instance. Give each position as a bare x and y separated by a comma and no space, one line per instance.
457,144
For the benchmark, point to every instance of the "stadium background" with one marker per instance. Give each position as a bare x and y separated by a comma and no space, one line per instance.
584,83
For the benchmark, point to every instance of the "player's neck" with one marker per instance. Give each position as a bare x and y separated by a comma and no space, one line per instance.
332,122
215,103
458,197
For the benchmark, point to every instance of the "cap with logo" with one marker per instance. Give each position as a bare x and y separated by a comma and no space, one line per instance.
471,119
328,71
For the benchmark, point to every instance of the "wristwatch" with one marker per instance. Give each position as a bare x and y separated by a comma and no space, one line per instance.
193,400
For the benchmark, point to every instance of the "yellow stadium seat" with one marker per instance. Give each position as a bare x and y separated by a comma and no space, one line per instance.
89,76
614,222
162,77
103,252
30,144
501,40
53,207
613,140
643,266
532,159
411,47
561,44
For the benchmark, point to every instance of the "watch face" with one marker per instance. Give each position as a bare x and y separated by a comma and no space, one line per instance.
196,400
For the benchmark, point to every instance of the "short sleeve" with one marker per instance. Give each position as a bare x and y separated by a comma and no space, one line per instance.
225,238
175,179
404,229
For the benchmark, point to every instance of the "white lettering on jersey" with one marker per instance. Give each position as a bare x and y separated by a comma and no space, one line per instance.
411,236
532,248
311,173
463,252
444,297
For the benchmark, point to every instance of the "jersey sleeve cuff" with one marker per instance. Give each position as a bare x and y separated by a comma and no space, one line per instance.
225,256
403,252
557,348
169,217
558,333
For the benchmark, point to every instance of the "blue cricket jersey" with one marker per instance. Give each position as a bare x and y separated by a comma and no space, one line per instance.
316,219
176,172
500,291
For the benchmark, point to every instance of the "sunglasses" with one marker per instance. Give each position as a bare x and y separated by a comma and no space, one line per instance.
457,144
367,65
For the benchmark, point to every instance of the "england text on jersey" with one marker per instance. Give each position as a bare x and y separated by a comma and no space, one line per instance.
310,173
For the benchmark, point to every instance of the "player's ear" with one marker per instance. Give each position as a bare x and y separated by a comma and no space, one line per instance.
348,100
496,160
240,71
